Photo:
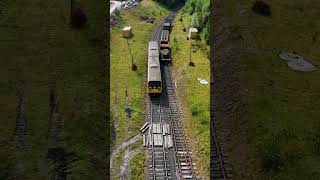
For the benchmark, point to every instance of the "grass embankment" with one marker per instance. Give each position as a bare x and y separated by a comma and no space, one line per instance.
134,82
31,33
282,105
195,96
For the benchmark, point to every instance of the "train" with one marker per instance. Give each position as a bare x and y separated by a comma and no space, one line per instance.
165,51
158,54
154,71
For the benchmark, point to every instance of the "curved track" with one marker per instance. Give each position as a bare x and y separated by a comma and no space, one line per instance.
165,162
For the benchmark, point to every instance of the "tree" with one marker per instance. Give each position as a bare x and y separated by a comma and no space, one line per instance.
195,20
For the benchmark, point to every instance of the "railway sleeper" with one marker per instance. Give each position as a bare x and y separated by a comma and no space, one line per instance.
187,177
185,172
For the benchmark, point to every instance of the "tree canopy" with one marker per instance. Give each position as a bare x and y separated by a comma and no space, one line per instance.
200,11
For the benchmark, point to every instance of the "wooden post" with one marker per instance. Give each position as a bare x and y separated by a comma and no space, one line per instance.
190,51
130,53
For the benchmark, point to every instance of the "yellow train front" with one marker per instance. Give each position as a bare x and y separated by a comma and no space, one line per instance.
154,72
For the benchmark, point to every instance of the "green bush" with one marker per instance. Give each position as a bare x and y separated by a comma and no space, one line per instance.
200,11
271,157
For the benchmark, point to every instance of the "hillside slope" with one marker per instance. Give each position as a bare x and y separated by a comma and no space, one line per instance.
45,63
270,109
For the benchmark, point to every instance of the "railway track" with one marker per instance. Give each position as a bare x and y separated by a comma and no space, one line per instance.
218,167
157,31
183,161
166,163
158,162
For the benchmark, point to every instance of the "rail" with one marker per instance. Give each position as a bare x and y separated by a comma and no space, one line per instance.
220,172
181,154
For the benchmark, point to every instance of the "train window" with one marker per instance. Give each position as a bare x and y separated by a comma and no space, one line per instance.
154,84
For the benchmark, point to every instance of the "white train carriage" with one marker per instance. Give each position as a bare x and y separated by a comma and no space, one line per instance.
154,72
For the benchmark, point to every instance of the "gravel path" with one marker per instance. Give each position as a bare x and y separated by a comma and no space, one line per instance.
122,146
125,166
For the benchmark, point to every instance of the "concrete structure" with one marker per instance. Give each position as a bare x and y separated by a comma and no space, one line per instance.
127,31
193,33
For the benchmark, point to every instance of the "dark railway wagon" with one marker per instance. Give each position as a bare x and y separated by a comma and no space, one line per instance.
164,40
166,26
165,56
154,72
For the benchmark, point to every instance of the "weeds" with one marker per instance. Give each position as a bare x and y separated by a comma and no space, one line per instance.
271,157
134,67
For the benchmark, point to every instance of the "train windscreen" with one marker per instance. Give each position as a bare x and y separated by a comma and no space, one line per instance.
154,85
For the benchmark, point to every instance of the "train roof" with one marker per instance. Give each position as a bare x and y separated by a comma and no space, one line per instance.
153,45
154,73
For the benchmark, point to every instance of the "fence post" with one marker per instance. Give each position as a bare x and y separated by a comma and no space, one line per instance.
130,52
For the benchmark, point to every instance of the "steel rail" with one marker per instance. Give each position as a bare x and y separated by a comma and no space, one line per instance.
163,149
152,142
177,125
219,155
181,150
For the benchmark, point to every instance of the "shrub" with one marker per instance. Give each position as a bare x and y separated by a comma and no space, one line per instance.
271,157
191,63
134,67
260,7
195,111
78,18
144,18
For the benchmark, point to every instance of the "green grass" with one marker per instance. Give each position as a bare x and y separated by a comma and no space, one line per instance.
194,96
30,34
121,75
137,164
115,172
282,104
136,144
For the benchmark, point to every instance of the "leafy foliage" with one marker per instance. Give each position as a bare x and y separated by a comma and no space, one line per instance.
200,11
170,3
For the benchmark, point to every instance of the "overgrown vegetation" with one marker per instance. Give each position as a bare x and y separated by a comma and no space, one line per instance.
278,106
170,3
194,96
115,172
138,166
32,34
200,11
